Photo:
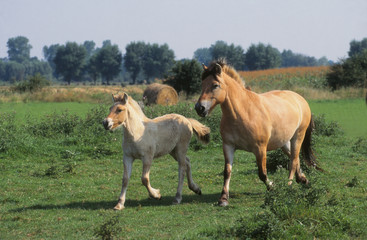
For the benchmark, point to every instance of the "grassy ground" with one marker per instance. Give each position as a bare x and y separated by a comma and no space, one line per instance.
61,176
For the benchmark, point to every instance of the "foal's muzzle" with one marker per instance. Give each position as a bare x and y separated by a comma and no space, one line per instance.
106,124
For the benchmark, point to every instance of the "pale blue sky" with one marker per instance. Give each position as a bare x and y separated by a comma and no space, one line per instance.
312,27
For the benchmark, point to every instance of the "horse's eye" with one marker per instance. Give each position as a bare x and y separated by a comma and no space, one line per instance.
215,86
118,110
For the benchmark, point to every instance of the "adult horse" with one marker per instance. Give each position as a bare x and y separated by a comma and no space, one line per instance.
146,139
256,123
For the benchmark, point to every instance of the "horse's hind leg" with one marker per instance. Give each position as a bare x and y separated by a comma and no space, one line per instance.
154,193
294,165
191,183
180,156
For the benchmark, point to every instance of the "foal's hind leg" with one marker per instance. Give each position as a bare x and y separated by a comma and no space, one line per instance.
154,193
192,184
179,154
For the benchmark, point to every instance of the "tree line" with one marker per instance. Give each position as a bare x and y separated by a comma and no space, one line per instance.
142,62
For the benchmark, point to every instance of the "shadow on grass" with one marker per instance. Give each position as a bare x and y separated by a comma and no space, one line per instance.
148,202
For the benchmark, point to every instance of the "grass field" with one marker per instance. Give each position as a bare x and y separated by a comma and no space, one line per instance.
61,176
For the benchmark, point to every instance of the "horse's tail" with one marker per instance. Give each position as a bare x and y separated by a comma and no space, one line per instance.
307,152
201,131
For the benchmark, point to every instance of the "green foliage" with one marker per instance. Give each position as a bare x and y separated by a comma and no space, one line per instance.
259,57
357,47
234,55
186,76
33,84
19,49
108,62
134,58
7,130
325,128
349,72
70,60
109,229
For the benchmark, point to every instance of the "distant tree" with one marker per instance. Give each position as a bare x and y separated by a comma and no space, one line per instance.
14,72
357,47
19,49
109,59
158,60
106,43
234,55
134,58
92,68
186,76
89,47
49,54
203,55
290,59
259,57
349,72
70,60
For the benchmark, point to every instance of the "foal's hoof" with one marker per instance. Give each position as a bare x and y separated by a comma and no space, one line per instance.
223,203
198,192
118,207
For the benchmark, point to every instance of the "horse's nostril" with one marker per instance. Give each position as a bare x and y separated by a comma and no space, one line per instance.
105,124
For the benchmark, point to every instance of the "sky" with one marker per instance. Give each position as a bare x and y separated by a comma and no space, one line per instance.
312,27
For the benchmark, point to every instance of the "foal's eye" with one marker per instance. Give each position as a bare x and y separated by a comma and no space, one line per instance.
118,110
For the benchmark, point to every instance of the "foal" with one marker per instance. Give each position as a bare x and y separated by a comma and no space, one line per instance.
146,139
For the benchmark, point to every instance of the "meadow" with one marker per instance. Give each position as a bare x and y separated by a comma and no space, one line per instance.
60,177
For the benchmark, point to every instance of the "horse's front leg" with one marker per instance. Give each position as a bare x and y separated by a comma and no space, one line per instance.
128,162
147,163
228,152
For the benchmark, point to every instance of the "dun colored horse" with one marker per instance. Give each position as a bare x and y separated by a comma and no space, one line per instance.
146,139
256,123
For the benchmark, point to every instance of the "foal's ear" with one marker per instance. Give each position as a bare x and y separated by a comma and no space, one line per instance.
217,69
204,67
120,97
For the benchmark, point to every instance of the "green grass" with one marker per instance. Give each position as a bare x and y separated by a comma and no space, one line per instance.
351,114
64,186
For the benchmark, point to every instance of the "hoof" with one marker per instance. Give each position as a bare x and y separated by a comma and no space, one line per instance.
198,192
118,207
223,203
176,202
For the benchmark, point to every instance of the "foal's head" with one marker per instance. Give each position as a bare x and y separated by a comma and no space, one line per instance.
118,112
213,90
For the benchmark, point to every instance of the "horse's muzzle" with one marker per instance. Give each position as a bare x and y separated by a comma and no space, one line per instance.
201,110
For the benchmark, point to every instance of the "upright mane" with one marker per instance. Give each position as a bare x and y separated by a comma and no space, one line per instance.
227,69
136,107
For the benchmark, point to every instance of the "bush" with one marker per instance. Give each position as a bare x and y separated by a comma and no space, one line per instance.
32,84
324,128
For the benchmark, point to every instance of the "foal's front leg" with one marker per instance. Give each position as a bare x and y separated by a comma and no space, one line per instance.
147,163
128,161
228,152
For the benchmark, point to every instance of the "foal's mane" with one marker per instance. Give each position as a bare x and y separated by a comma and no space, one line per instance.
136,107
227,69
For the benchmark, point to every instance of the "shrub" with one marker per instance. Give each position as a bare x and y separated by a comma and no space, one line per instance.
32,84
109,229
324,128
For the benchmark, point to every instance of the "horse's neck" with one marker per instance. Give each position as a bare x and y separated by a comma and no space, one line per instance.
239,101
134,125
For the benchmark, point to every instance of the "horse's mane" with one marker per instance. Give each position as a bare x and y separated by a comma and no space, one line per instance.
227,69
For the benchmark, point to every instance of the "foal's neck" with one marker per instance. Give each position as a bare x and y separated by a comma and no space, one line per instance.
134,125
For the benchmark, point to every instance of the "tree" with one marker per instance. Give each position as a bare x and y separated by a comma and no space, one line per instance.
234,55
357,47
108,60
89,47
92,68
158,61
259,57
349,72
134,58
49,54
186,76
70,60
19,49
203,55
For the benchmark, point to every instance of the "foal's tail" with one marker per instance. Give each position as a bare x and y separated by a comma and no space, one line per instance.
201,131
306,147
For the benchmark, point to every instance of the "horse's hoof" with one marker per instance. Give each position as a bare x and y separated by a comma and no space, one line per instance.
198,192
176,202
223,203
118,207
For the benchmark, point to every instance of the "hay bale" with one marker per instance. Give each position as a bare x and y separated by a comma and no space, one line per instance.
161,94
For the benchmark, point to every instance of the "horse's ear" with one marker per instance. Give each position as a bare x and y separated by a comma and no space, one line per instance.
217,69
204,67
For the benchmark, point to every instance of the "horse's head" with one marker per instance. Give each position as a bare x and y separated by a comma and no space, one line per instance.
118,112
213,90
